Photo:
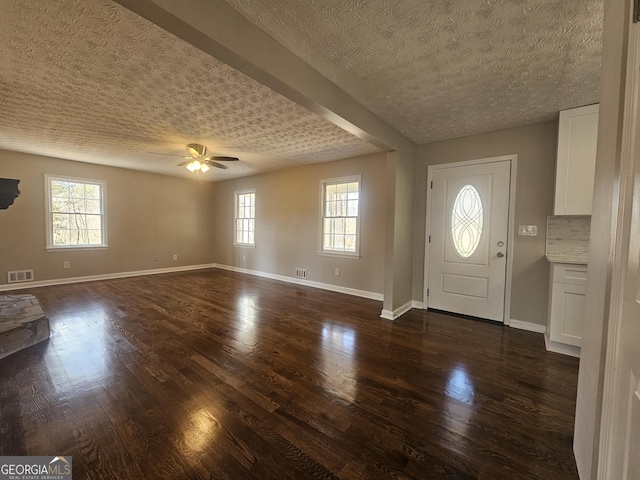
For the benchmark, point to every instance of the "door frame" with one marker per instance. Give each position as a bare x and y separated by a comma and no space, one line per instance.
513,160
629,149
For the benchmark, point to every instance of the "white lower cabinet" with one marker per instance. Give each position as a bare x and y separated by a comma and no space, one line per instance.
568,289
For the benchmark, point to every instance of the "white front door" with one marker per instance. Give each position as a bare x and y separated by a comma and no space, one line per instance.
469,216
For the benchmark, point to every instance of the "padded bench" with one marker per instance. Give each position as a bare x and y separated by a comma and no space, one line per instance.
22,323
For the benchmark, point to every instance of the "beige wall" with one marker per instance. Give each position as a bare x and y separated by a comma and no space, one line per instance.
287,224
535,146
602,241
148,215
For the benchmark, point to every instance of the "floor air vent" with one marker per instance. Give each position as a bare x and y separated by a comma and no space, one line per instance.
301,273
20,276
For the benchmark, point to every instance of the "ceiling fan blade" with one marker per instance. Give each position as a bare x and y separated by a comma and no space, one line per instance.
186,162
167,154
196,150
222,159
214,164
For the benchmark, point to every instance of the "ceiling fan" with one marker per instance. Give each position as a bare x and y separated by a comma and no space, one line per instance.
197,161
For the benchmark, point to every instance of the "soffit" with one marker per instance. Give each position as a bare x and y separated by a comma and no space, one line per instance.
444,69
89,80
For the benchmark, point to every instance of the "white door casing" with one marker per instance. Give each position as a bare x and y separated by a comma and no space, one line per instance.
466,272
620,423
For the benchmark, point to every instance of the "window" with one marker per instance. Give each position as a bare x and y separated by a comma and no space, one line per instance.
467,217
245,227
341,215
75,213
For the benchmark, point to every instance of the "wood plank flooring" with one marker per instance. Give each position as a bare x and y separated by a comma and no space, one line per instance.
214,374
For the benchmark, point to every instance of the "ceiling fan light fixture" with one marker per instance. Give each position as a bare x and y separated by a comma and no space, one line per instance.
204,167
192,166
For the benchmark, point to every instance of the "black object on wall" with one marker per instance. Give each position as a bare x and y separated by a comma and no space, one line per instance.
8,192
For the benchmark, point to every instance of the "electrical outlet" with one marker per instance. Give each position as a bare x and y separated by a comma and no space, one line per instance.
528,230
66,264
244,258
175,257
337,272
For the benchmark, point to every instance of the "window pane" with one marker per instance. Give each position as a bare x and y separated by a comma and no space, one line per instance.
350,226
327,243
350,243
252,238
339,242
59,189
59,205
93,206
338,226
93,192
60,220
95,237
352,208
467,219
60,237
94,222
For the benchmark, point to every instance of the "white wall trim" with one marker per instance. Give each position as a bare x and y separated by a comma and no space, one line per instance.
529,326
306,283
392,315
418,305
106,276
562,348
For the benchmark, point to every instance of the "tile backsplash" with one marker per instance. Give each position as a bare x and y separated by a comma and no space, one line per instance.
568,236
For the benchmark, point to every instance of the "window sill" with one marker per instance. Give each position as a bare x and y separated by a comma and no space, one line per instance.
353,256
244,245
76,248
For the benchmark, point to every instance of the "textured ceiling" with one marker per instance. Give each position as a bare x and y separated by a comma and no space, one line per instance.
442,69
88,80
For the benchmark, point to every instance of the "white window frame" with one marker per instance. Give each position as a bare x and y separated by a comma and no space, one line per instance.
323,185
49,213
236,195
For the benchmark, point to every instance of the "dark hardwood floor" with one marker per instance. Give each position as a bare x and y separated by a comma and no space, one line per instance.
213,374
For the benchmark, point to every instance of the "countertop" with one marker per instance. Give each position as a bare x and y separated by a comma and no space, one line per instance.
576,260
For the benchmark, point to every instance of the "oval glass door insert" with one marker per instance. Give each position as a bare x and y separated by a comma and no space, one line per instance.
467,216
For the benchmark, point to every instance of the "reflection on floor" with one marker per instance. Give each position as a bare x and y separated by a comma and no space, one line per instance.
213,374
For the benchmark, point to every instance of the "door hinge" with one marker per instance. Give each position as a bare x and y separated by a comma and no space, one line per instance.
427,292
429,238
432,180
636,11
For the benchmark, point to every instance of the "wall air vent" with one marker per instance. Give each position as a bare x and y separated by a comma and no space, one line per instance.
301,273
20,276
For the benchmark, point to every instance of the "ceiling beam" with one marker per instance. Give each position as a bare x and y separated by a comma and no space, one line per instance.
218,29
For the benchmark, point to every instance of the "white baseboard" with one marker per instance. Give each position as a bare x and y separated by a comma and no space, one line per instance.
306,283
562,348
529,326
392,315
418,305
106,276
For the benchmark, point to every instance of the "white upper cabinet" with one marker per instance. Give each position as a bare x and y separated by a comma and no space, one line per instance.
575,169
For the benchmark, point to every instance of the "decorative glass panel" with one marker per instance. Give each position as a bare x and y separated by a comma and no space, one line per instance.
467,216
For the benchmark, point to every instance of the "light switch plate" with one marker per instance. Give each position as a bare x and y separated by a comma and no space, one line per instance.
528,230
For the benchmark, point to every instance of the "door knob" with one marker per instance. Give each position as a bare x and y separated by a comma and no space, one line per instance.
500,254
